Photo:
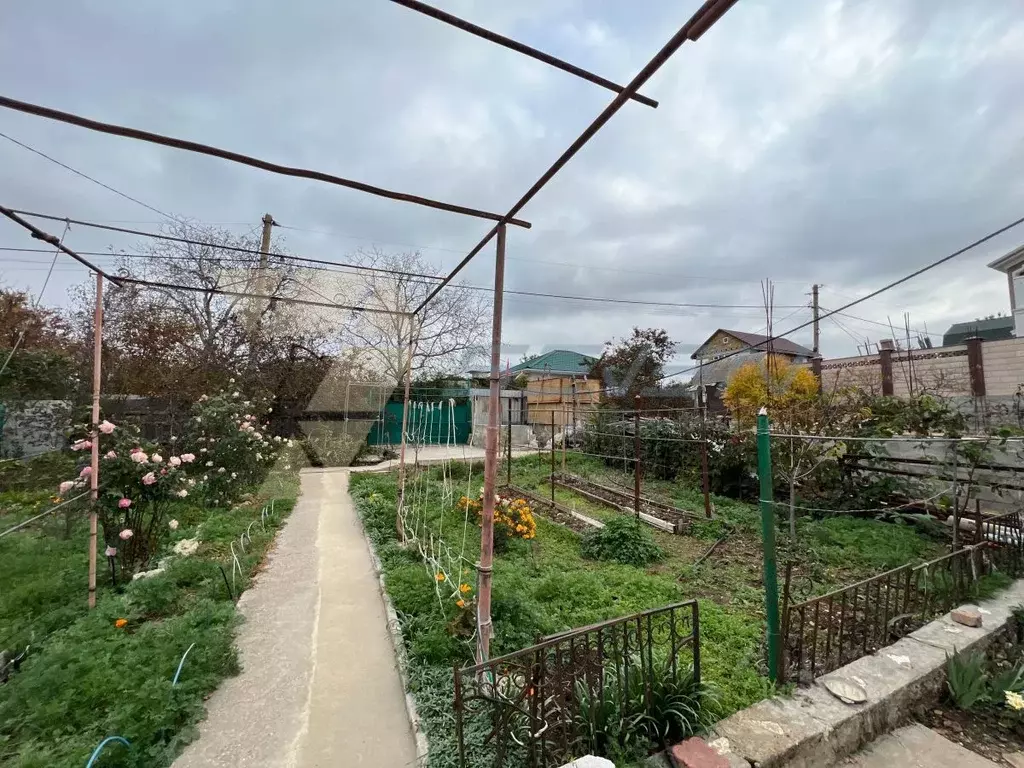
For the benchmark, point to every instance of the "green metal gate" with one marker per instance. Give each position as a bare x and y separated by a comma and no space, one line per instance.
430,423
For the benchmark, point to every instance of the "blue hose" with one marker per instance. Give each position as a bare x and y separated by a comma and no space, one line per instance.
102,745
180,665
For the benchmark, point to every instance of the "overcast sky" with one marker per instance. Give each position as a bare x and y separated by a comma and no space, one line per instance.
844,143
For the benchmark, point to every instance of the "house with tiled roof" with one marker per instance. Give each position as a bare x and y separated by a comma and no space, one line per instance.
558,384
726,351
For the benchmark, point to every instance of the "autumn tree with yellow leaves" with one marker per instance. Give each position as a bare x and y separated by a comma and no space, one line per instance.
795,408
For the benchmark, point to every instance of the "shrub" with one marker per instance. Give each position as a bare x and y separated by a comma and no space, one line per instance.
622,540
228,435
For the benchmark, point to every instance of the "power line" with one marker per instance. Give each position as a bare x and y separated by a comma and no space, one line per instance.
233,248
486,289
876,322
873,294
86,176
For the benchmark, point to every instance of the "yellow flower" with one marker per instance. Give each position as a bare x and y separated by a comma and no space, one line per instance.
464,588
122,623
439,577
461,603
1014,700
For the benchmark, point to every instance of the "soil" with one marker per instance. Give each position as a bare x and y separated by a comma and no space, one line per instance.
620,499
980,732
990,732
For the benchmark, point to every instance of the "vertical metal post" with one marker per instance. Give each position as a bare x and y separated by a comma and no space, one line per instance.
771,577
486,565
552,456
705,482
565,429
405,427
94,475
508,442
814,311
637,464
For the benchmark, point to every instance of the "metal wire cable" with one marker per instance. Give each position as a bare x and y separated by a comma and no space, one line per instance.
86,176
873,294
51,510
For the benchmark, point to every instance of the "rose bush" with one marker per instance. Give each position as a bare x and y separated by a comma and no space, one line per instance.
137,485
228,437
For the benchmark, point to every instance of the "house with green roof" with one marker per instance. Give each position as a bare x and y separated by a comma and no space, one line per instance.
557,362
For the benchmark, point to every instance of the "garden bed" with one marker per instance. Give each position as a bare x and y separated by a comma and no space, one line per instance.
121,668
545,585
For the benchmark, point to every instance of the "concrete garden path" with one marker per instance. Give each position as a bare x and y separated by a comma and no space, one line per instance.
319,685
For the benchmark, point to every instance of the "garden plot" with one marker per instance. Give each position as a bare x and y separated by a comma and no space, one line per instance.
546,585
142,662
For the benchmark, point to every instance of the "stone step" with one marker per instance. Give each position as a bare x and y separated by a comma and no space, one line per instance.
915,746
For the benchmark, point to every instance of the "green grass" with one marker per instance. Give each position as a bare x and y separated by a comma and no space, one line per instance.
85,679
546,586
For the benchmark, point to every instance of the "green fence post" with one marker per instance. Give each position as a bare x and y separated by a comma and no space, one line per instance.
771,578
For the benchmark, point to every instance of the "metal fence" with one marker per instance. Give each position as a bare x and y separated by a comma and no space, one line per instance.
556,700
826,632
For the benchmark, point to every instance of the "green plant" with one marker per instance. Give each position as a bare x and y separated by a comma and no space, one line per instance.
1017,613
621,540
967,680
638,708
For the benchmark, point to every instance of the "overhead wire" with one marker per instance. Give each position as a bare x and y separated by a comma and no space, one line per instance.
873,294
77,172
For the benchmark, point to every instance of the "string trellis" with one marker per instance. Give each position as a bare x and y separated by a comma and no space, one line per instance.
428,423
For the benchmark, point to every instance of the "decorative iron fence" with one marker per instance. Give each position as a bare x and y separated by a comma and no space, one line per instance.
565,696
826,632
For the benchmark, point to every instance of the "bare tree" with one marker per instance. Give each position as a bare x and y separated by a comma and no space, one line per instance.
166,341
448,331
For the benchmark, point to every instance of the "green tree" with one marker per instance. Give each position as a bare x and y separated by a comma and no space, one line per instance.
634,365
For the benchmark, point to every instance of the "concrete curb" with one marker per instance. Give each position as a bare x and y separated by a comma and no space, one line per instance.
812,728
395,633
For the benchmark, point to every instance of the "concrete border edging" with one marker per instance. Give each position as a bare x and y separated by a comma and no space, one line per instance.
395,633
812,728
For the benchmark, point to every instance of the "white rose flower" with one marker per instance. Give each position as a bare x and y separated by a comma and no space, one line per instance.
221,470
209,463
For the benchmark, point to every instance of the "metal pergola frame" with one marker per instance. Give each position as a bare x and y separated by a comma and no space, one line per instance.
709,12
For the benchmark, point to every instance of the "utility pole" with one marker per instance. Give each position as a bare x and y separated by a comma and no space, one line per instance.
814,310
268,223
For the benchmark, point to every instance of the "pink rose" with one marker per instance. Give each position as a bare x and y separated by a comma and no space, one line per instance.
81,445
106,427
139,457
86,471
149,478
126,534
110,455
124,503
66,486
110,551
188,458
174,461
163,472
156,458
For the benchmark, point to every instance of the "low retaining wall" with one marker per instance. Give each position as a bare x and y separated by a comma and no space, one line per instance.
814,729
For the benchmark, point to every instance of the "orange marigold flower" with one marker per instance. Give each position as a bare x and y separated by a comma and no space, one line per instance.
461,603
464,588
439,577
121,623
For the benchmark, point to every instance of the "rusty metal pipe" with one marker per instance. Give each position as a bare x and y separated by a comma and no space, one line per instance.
514,45
696,26
237,157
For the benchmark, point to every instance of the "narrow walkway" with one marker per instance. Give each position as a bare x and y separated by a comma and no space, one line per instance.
915,747
319,684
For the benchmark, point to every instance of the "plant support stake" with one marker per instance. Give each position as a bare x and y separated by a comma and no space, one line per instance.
484,568
94,475
771,577
552,456
636,459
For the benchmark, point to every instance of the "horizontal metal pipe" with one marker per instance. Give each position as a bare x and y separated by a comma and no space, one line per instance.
237,157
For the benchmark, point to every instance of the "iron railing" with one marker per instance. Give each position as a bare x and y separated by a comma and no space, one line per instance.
547,704
826,632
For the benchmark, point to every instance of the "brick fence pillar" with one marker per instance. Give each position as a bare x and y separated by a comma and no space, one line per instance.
885,361
976,367
816,369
